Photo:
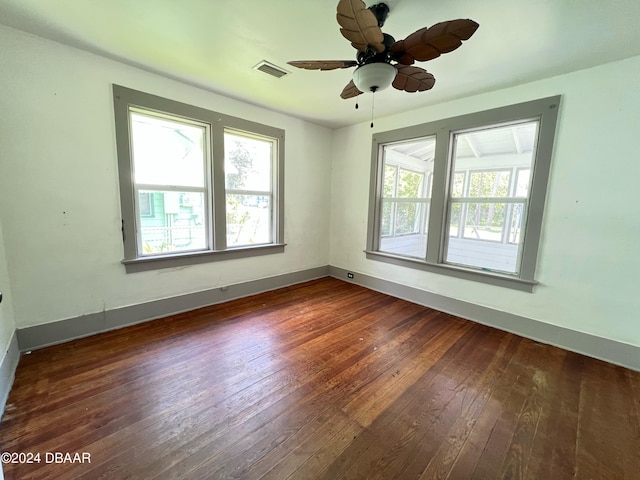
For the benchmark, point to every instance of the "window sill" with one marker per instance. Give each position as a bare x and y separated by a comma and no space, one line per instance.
143,264
491,278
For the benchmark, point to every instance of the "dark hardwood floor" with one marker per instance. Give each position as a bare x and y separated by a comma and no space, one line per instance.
320,380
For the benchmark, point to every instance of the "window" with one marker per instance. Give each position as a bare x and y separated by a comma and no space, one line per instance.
464,196
195,185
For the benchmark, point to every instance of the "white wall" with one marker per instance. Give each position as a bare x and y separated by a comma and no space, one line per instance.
59,187
589,260
7,324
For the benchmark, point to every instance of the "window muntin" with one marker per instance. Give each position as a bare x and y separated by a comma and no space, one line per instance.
176,208
479,194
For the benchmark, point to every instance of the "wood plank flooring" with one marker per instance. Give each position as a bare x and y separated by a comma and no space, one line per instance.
322,380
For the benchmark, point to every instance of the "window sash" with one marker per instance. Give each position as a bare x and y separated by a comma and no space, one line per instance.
164,226
264,146
405,197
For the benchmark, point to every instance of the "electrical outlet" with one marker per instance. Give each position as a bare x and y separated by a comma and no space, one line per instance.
349,275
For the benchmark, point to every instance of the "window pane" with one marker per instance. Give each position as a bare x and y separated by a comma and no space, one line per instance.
489,184
247,163
248,219
389,188
457,188
406,189
516,223
176,222
489,164
410,225
455,214
407,218
522,182
410,183
386,218
485,221
167,152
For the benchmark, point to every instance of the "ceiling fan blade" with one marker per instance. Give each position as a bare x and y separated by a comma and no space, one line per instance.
413,79
429,43
323,64
359,25
350,91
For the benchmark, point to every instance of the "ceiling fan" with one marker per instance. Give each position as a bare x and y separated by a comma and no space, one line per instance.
381,60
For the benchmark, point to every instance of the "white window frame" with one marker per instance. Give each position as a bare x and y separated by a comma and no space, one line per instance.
545,112
126,100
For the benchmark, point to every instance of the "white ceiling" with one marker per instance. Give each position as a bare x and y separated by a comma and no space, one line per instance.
214,44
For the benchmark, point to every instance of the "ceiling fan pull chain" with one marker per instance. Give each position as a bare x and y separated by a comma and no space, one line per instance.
373,101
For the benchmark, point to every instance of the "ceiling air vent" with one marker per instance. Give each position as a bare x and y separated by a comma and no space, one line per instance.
270,69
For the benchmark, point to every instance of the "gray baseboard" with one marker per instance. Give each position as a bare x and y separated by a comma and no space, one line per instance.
611,351
8,370
38,336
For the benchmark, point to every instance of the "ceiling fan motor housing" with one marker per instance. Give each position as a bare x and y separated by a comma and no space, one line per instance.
381,11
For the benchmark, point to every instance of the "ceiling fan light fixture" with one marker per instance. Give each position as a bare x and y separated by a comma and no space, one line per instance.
373,77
